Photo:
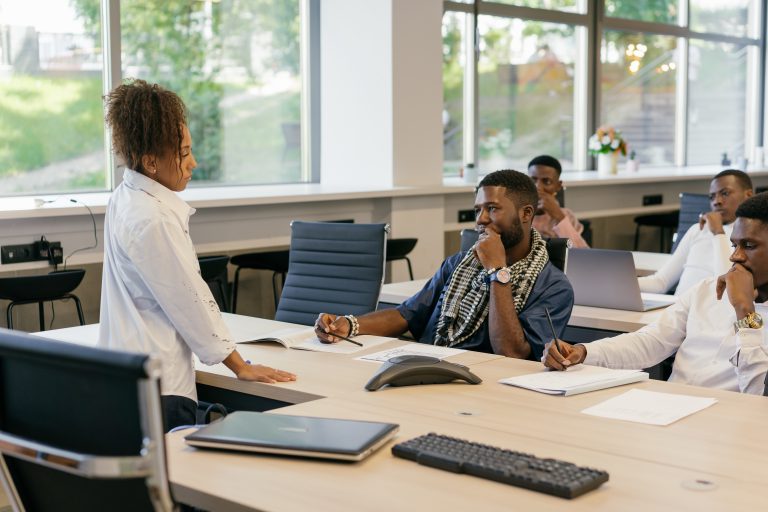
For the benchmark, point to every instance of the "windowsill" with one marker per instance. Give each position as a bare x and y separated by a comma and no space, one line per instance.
24,207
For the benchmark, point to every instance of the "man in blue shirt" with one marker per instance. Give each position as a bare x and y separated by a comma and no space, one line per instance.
491,298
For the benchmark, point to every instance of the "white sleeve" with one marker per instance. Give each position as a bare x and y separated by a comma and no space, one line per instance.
158,252
751,360
645,347
668,275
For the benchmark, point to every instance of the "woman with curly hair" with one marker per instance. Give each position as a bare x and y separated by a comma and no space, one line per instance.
153,299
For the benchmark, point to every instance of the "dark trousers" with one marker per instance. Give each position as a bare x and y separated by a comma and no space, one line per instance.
177,411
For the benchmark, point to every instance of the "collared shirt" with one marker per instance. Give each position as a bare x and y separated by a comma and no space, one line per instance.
700,254
551,290
153,299
569,227
710,352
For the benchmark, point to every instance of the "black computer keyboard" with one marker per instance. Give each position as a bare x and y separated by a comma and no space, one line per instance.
549,476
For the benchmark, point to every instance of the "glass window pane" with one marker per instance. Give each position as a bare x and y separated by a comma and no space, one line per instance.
526,72
660,11
51,117
558,5
729,17
638,92
717,75
454,51
236,65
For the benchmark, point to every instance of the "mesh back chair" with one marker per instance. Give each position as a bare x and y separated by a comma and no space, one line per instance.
334,268
213,270
557,248
399,248
691,205
39,289
108,454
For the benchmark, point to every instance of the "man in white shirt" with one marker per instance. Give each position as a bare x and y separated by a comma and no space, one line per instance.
704,249
716,327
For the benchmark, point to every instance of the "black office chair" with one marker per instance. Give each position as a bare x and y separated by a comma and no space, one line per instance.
213,270
274,261
334,268
691,205
80,428
586,234
40,289
666,222
399,248
557,248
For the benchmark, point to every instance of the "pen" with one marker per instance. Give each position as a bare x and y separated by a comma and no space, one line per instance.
552,327
347,339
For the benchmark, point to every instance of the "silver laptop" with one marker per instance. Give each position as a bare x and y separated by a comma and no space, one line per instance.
300,436
607,279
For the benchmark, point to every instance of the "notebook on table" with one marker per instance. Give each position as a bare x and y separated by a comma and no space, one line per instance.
605,278
300,436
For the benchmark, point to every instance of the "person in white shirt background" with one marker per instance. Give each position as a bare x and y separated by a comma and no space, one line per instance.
153,299
716,327
704,249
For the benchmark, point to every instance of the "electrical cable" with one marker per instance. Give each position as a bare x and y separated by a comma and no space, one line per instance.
95,235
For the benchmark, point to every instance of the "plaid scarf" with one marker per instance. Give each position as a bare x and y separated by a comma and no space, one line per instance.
465,302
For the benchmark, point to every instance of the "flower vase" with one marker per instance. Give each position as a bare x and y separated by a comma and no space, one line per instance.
607,163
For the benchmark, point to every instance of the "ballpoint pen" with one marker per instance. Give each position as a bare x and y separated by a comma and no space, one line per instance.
552,327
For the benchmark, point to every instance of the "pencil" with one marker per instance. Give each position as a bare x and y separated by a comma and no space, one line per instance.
346,339
552,327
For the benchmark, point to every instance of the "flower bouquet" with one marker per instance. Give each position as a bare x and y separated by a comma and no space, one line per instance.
607,143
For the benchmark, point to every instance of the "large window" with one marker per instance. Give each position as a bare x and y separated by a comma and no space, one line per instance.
236,64
679,78
51,128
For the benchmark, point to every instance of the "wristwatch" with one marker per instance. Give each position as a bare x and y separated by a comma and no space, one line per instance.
501,275
751,321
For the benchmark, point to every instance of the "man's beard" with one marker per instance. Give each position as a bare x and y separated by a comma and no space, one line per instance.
514,236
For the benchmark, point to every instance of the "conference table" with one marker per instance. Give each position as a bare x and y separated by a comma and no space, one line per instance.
711,460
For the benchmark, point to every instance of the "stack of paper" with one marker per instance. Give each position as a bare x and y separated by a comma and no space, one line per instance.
412,349
577,379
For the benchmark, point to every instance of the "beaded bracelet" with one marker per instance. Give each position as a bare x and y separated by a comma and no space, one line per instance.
354,325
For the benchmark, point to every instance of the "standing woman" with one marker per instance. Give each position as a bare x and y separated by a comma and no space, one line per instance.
153,299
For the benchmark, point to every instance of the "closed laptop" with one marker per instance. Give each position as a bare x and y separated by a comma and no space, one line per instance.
605,278
302,436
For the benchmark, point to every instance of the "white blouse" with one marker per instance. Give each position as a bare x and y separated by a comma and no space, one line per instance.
153,299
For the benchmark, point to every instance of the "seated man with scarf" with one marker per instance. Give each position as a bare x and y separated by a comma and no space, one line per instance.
492,298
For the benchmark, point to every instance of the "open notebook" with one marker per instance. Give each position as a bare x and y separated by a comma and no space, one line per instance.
254,330
577,379
301,436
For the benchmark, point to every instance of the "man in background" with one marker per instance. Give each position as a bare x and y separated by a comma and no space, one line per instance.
552,220
704,249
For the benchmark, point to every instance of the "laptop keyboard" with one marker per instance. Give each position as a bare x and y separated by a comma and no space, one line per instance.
550,476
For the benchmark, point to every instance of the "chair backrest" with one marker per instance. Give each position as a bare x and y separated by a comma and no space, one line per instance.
334,268
40,287
399,248
557,248
691,205
80,428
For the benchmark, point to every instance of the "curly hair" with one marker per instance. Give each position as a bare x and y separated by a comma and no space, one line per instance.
519,186
145,119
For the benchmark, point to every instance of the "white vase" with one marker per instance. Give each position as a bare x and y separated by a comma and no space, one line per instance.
607,163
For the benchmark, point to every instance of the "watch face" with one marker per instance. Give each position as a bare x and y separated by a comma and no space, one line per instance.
502,275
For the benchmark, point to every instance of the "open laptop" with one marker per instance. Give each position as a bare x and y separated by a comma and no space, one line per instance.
607,279
300,436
